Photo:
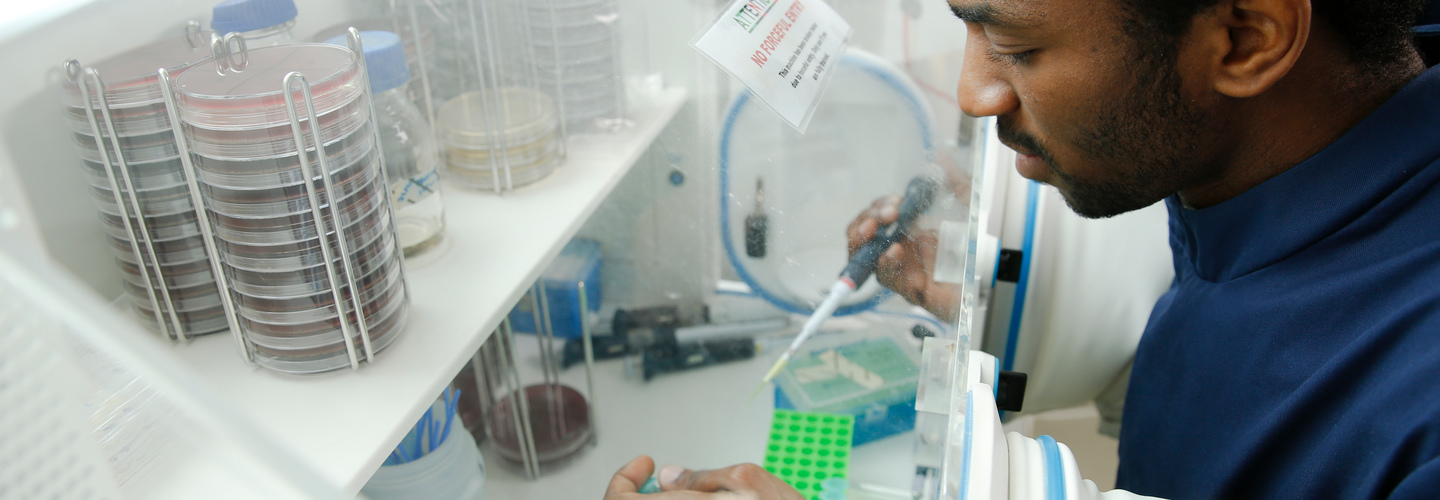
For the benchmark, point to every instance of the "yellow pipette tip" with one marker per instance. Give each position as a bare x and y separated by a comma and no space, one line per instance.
774,372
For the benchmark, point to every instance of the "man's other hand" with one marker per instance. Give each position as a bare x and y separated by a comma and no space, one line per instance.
738,482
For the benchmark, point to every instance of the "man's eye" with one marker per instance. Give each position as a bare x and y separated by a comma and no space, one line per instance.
1013,58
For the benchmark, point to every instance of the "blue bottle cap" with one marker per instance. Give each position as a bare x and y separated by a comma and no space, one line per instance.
384,58
250,15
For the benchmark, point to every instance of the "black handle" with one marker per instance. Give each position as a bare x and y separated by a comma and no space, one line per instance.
918,197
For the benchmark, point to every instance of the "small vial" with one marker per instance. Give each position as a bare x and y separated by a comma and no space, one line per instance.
262,23
411,161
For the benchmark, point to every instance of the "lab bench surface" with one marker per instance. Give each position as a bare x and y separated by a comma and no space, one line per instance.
344,423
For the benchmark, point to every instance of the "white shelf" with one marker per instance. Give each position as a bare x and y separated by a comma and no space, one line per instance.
346,422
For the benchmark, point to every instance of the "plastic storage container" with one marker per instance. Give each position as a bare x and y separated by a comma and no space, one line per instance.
273,252
873,381
453,471
148,218
407,144
579,261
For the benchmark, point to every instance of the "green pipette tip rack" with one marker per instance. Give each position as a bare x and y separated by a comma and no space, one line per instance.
806,449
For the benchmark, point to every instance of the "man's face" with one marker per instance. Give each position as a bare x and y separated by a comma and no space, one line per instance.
1089,109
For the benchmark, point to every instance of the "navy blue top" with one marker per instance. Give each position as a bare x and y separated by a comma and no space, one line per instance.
1297,353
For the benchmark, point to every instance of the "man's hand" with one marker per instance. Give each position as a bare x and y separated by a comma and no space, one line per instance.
908,267
739,482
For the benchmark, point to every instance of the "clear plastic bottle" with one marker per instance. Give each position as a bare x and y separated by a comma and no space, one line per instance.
411,160
263,23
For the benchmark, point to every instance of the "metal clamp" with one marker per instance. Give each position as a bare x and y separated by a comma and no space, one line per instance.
224,50
318,213
207,232
352,39
126,201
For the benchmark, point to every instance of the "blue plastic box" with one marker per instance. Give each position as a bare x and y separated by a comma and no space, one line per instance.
579,261
880,411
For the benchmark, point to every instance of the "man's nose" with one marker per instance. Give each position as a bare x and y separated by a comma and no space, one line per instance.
982,91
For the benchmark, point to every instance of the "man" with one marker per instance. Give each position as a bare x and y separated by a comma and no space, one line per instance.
1297,353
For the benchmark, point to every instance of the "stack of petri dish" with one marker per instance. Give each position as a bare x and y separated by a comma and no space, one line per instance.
575,47
499,139
255,192
146,145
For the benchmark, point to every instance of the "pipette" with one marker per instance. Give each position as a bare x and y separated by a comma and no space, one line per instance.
918,196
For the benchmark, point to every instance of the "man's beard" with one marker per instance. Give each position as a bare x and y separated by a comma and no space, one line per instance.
1148,140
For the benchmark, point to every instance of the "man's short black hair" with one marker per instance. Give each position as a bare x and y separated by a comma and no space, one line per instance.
1376,33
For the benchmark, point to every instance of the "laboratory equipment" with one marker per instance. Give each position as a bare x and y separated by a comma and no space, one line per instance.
808,449
472,414
263,23
406,143
500,138
757,224
437,459
282,251
536,426
579,262
576,49
497,130
873,380
120,125
918,197
674,356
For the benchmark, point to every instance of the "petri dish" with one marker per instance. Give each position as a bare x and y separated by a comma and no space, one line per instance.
131,78
484,119
140,120
157,174
196,322
278,140
573,13
374,286
547,57
565,36
518,156
254,99
181,251
299,227
551,448
600,70
163,228
485,178
332,357
311,280
568,4
296,256
282,170
193,298
291,200
177,276
157,203
137,149
325,331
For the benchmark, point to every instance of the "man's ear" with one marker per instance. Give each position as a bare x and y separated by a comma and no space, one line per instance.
1252,44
